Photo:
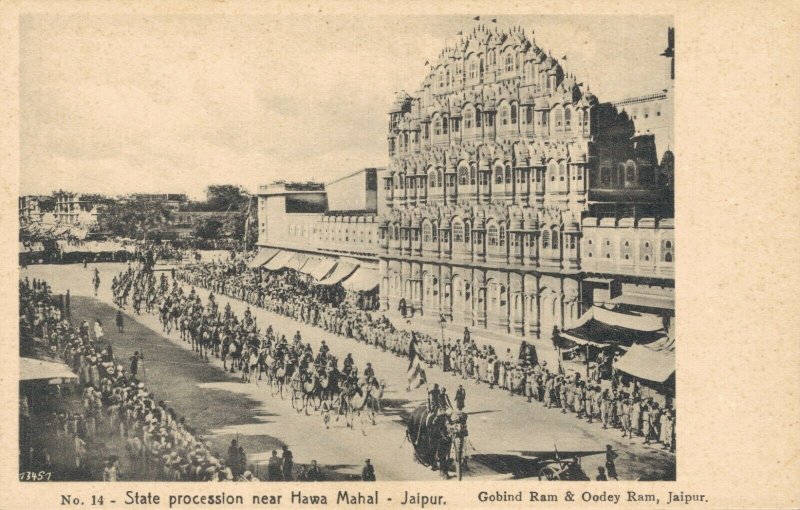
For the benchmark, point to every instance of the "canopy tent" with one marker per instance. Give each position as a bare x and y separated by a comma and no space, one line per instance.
342,271
310,264
262,257
652,362
297,261
91,247
31,369
362,280
602,328
278,261
322,269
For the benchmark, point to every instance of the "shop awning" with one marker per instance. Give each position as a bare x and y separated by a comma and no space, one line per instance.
342,271
31,369
323,269
363,280
643,301
602,328
278,261
653,362
262,257
310,264
297,261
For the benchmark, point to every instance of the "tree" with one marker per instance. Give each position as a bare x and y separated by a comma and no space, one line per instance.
136,217
208,228
226,197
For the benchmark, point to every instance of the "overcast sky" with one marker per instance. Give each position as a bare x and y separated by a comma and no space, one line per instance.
172,104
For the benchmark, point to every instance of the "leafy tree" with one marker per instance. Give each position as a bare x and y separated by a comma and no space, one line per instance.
226,197
208,228
136,217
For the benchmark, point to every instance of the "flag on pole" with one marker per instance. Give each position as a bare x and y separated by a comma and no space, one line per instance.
416,374
494,20
477,18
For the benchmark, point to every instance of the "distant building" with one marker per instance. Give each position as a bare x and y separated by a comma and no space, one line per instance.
72,210
29,210
338,218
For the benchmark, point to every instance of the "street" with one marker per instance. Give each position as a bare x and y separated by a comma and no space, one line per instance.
507,436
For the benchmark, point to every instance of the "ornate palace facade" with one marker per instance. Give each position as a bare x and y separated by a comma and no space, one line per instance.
495,163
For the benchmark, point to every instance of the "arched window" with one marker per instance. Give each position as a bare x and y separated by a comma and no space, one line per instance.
552,169
513,114
478,117
498,175
555,239
469,118
502,236
472,175
546,239
441,79
467,232
472,70
396,232
437,126
559,119
445,122
491,235
458,232
666,251
528,115
426,233
402,181
503,115
508,175
434,233
544,118
567,118
509,62
463,176
432,179
562,171
630,173
439,181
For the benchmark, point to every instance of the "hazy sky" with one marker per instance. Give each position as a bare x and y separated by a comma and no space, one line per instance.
118,104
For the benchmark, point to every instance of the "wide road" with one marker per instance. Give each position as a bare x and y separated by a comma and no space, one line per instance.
506,433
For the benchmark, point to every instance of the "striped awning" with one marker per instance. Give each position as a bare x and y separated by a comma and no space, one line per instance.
279,261
297,261
323,269
262,257
342,271
362,280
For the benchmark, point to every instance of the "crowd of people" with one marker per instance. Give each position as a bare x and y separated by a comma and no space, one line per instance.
614,403
111,405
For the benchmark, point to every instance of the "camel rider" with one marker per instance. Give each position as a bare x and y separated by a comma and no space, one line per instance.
348,364
369,373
